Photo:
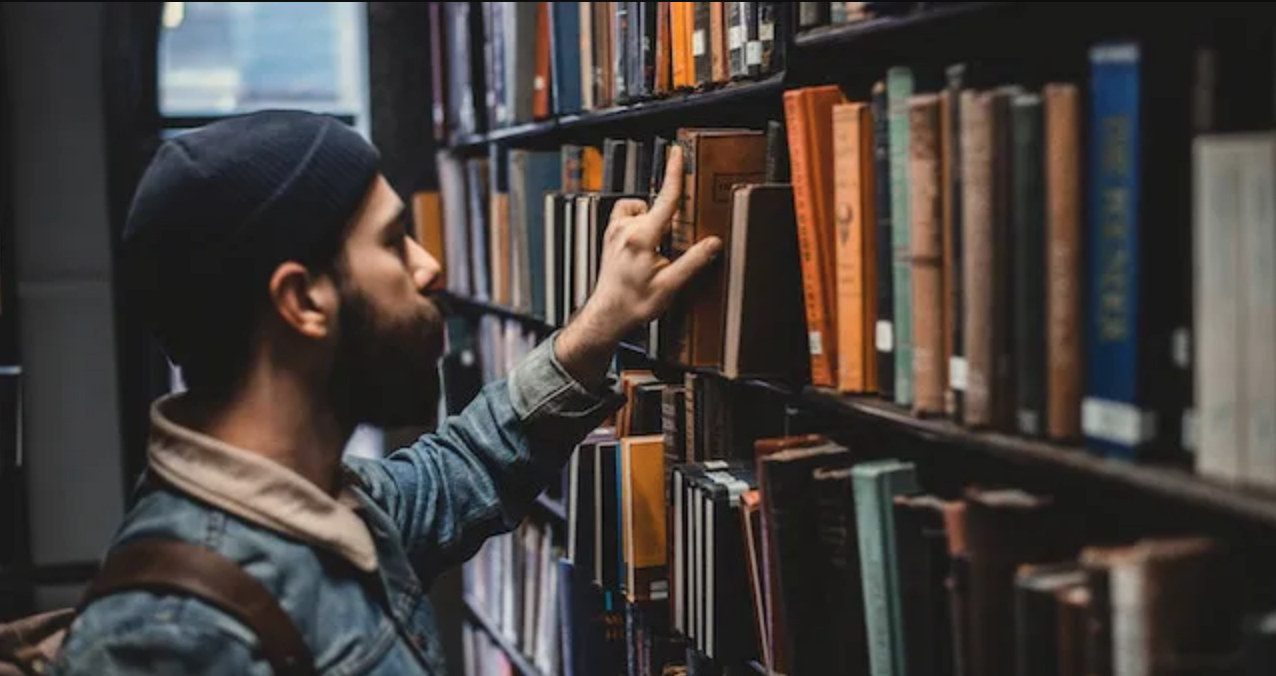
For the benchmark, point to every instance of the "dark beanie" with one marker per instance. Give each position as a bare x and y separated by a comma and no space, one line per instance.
221,206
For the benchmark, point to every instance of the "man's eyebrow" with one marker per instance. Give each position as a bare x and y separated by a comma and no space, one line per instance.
395,219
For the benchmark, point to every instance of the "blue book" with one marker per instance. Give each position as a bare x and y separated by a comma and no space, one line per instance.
1116,417
564,64
543,174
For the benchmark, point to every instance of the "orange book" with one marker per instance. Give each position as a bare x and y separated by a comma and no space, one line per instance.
591,170
643,513
427,226
681,22
853,209
808,114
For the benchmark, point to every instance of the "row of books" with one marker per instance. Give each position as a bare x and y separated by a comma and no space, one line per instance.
499,64
1051,261
681,514
980,251
818,14
513,583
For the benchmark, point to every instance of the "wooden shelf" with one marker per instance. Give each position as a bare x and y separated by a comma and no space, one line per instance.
520,661
1163,482
851,32
678,103
1171,484
472,305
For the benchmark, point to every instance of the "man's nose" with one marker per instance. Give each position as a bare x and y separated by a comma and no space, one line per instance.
427,273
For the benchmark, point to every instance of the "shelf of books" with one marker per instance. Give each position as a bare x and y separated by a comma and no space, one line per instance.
982,384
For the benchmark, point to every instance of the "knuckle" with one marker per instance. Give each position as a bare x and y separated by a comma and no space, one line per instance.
631,240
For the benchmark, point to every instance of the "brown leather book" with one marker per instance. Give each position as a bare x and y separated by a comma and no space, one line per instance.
541,86
718,49
1063,264
976,204
603,80
663,83
855,257
926,240
715,160
1006,528
808,114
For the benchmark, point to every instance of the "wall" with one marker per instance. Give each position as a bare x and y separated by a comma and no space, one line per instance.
53,56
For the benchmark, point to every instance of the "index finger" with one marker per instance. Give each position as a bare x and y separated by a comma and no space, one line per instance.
666,203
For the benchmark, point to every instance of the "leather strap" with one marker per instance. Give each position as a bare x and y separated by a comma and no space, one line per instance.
174,566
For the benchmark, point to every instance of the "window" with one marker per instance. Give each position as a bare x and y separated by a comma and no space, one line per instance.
218,59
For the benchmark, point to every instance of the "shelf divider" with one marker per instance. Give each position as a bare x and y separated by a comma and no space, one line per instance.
516,657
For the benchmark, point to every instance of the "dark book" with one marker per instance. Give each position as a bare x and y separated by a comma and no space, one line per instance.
884,330
790,507
1037,629
1029,264
837,562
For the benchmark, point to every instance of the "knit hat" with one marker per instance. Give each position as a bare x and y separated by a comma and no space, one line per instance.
221,206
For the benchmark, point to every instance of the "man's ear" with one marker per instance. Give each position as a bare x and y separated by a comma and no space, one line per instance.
304,301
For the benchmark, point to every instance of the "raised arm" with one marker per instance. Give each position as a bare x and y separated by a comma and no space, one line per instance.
478,474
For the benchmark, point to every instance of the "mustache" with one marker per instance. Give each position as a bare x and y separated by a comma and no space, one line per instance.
447,303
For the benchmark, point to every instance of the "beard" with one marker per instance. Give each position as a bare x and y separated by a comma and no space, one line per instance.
385,371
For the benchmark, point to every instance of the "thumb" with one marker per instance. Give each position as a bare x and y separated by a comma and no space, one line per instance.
678,273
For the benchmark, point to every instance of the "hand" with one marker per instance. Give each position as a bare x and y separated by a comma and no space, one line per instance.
635,283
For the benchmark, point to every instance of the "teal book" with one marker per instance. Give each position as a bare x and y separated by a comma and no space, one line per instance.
876,484
899,88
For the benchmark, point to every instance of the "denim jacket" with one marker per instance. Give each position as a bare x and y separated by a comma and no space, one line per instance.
353,570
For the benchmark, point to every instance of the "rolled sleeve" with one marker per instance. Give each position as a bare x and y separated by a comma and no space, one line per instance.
540,388
479,473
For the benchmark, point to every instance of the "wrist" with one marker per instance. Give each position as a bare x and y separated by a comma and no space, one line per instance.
586,345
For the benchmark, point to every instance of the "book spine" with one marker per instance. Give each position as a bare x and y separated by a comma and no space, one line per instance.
899,87
1115,418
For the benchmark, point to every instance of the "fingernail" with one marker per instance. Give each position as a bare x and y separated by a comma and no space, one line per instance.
715,246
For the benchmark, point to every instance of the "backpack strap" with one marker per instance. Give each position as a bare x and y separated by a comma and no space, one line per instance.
174,566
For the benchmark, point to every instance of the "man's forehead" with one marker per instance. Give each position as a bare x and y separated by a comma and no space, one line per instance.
383,206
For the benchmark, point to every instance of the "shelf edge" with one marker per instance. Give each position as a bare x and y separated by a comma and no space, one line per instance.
520,661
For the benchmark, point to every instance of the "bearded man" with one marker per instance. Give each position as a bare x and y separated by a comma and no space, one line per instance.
270,256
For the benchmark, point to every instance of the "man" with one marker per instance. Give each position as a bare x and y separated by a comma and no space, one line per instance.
269,254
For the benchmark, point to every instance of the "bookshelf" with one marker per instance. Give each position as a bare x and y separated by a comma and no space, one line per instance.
939,12
1171,484
1073,484
730,94
521,664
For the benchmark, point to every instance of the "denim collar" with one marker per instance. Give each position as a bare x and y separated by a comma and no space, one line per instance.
257,489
